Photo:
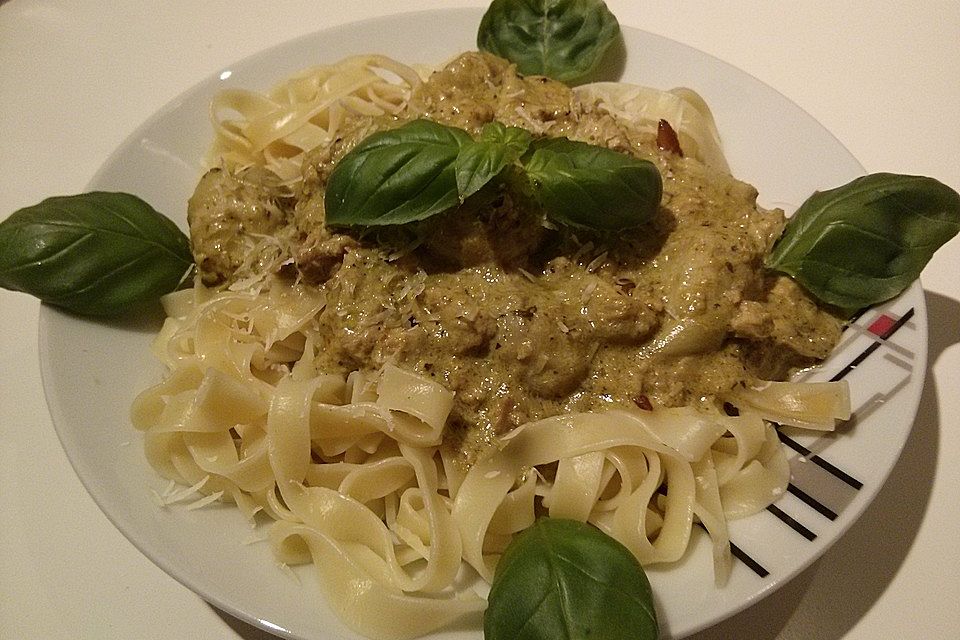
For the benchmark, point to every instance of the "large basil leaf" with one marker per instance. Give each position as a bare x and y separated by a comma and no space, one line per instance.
481,161
866,241
94,253
562,39
566,580
396,176
593,187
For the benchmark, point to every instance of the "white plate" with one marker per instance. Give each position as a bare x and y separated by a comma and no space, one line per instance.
92,370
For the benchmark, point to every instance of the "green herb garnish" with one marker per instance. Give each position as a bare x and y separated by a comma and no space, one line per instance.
498,147
582,185
866,241
567,580
95,253
396,176
562,39
423,168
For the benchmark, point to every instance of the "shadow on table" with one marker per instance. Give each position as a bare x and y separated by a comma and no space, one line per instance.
864,561
242,629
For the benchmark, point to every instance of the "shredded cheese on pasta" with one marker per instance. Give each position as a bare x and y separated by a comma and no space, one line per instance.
275,129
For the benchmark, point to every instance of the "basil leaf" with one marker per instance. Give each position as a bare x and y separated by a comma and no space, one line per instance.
514,137
582,185
563,39
562,579
866,241
481,161
94,253
396,176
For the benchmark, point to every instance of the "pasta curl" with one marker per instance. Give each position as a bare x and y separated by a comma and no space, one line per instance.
275,129
352,474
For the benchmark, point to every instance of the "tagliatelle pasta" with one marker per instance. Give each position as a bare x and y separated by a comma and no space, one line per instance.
275,129
352,474
321,386
683,108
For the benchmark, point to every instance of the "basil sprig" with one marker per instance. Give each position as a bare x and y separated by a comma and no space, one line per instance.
94,253
562,39
423,168
478,163
867,241
566,580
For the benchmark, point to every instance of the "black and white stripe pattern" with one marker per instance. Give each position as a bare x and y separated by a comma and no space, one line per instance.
818,484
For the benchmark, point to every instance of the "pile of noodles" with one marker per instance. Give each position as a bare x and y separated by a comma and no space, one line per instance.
350,472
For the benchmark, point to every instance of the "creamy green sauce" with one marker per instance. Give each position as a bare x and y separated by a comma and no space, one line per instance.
522,320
